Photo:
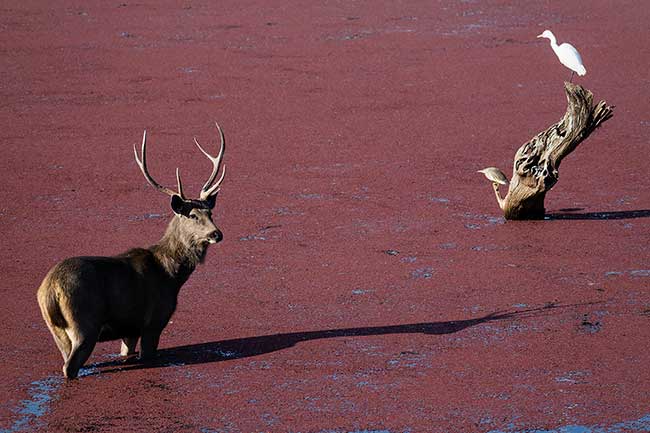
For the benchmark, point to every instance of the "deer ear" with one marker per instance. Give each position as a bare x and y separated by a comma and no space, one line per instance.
211,201
179,206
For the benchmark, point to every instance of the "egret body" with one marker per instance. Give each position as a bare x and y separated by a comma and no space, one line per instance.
567,54
495,175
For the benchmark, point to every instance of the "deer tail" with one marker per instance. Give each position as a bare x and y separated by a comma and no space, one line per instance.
47,300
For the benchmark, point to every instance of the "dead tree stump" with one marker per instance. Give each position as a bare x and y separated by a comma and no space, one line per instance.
537,162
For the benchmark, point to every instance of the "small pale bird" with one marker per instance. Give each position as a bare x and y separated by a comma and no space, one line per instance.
497,178
567,54
495,175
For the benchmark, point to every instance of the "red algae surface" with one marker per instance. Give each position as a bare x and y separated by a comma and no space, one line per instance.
366,281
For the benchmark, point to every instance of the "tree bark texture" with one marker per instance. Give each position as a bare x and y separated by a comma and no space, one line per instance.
537,162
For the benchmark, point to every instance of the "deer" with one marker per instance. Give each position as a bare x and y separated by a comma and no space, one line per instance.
131,296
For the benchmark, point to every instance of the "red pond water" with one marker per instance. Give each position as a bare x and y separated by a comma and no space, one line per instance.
366,281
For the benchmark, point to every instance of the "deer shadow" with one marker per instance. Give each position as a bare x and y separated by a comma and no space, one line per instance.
614,215
239,348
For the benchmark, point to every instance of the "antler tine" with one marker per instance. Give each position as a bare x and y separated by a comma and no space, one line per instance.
216,187
180,184
142,163
208,190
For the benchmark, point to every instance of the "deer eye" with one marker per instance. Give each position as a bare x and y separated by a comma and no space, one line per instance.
194,217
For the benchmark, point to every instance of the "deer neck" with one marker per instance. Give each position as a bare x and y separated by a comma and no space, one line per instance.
177,252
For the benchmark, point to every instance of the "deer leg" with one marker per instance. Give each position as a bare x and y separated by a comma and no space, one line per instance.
128,346
82,347
149,345
62,341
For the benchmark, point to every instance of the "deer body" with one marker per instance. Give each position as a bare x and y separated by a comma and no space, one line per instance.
133,295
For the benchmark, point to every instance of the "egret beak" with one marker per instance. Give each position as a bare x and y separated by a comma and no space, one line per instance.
540,36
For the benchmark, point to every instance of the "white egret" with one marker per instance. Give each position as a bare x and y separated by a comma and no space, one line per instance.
567,54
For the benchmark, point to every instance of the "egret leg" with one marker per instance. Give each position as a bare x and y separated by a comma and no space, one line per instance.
571,79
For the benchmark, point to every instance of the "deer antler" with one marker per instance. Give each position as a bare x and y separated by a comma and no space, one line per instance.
208,190
142,163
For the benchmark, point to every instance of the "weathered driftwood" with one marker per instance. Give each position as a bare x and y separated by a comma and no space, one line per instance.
537,162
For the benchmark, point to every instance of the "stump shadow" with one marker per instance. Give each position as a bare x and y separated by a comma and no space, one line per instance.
614,215
239,348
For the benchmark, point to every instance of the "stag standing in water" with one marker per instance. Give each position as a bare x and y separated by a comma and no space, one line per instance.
133,295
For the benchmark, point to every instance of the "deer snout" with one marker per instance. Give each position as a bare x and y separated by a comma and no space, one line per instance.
215,236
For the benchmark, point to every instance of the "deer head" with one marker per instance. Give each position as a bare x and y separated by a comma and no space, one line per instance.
192,223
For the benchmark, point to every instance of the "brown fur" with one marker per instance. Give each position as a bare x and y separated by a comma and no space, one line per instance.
130,296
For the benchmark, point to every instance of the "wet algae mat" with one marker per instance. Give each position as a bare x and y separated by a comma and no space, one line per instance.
366,281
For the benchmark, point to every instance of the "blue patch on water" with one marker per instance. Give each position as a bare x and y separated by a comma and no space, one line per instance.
632,273
252,238
361,291
41,394
312,196
424,273
408,430
574,377
640,425
409,259
270,419
370,431
224,353
87,371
